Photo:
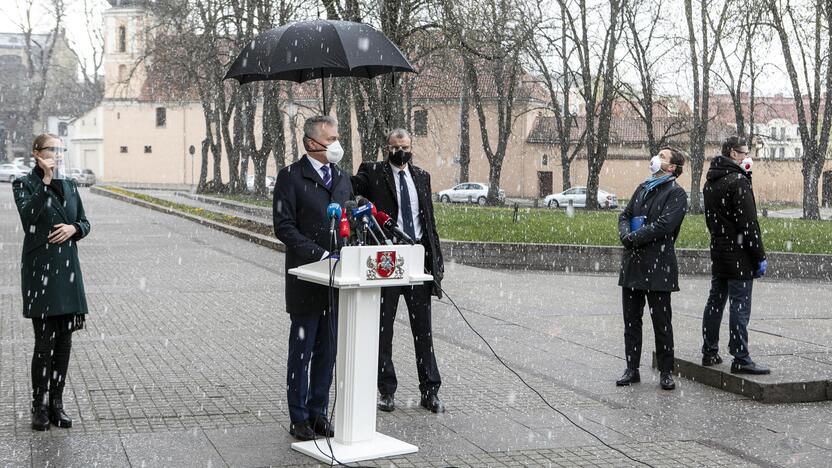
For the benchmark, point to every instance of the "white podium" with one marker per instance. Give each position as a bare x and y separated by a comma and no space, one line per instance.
359,276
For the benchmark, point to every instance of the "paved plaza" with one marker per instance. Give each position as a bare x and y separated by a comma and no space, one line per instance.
183,364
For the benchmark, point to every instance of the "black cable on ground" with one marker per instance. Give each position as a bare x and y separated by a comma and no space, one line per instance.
542,398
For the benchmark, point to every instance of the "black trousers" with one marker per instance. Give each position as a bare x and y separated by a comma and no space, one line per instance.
418,303
50,361
661,313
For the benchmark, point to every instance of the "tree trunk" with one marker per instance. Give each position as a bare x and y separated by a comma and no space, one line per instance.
465,127
344,113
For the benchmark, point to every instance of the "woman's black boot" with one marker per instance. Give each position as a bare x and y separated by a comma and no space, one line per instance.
57,414
40,417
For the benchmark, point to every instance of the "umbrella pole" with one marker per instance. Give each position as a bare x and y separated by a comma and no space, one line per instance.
323,92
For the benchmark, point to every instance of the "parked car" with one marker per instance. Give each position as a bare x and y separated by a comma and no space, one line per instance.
269,183
468,192
21,162
578,197
81,177
10,172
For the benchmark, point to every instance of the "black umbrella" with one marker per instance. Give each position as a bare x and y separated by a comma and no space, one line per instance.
317,49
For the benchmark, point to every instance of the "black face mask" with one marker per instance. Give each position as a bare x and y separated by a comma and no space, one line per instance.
399,157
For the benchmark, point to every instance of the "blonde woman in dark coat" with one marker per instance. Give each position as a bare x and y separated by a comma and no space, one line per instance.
53,220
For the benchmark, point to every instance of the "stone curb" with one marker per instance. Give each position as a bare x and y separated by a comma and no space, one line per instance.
770,393
256,238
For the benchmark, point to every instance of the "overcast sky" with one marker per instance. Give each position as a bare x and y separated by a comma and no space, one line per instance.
677,83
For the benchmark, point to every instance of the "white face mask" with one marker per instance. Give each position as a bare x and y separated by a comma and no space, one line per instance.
655,164
334,152
746,164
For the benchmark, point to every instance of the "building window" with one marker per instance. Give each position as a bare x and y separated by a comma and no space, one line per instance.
62,129
148,149
122,72
782,153
544,160
782,133
772,152
161,117
797,152
122,39
420,122
123,149
774,132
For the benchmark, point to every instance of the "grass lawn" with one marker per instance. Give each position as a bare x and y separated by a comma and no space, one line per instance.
546,226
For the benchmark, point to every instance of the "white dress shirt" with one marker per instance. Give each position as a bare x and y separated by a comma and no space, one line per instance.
414,199
317,165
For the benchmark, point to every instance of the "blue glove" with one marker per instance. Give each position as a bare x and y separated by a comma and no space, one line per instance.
762,268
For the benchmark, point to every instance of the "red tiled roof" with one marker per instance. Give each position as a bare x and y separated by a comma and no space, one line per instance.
628,130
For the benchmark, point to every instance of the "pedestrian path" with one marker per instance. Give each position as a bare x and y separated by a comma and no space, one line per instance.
183,364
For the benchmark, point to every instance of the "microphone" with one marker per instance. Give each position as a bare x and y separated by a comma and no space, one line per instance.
344,227
365,213
385,220
356,237
333,212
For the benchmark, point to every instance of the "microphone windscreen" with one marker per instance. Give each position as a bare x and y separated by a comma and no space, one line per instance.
381,217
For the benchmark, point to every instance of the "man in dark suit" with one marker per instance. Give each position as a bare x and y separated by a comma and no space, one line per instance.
302,192
403,191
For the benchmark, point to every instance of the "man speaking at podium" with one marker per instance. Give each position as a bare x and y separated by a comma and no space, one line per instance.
302,193
403,191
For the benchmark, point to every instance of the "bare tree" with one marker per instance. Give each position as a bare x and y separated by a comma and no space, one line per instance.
647,49
38,50
809,27
741,66
550,47
703,51
597,85
465,123
495,35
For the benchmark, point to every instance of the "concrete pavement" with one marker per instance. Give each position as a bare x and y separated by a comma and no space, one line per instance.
183,364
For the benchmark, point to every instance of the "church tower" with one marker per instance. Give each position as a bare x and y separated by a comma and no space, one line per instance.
126,28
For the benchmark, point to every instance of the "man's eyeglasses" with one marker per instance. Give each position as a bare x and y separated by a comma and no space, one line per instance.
396,148
54,149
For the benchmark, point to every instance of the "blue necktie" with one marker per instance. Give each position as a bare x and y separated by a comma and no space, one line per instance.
327,177
407,213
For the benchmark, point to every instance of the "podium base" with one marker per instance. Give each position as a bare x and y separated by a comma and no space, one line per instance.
379,447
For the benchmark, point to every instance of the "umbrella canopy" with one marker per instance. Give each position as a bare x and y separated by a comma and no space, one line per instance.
316,49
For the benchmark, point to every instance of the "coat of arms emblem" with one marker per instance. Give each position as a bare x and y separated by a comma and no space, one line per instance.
385,265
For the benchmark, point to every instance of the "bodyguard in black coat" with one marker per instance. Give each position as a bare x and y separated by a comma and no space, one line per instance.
403,191
737,255
302,192
648,264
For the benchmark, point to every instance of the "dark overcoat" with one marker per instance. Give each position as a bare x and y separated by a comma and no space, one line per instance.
300,222
374,181
51,280
731,216
649,259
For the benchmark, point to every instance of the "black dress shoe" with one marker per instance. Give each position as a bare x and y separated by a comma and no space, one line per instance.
322,426
666,381
386,403
753,368
711,359
433,403
57,415
630,376
302,431
40,418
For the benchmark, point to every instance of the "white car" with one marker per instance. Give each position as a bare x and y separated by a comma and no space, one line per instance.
82,177
269,183
10,172
468,192
578,197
